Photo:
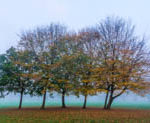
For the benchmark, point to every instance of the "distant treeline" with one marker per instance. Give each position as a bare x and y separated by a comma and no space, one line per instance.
108,57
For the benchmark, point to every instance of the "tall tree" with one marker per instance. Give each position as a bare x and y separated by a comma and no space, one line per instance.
41,42
122,59
87,40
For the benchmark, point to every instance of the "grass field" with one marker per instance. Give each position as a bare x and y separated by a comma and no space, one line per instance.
74,115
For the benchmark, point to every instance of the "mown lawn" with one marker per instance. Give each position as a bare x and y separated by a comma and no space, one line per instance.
74,115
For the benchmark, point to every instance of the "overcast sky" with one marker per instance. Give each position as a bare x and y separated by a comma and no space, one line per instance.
18,15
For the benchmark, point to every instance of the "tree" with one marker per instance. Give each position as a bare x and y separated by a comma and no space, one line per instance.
64,74
14,74
63,77
41,42
122,60
87,45
42,76
83,83
5,71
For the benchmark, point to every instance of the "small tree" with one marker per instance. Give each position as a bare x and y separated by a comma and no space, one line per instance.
14,74
83,83
42,76
5,75
63,77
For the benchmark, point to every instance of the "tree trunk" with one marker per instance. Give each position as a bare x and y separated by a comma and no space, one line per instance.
85,101
44,100
110,99
63,100
109,103
21,97
105,105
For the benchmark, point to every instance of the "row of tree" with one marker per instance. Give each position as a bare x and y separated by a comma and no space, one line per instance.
107,58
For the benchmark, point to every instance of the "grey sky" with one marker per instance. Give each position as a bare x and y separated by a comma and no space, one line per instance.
17,15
